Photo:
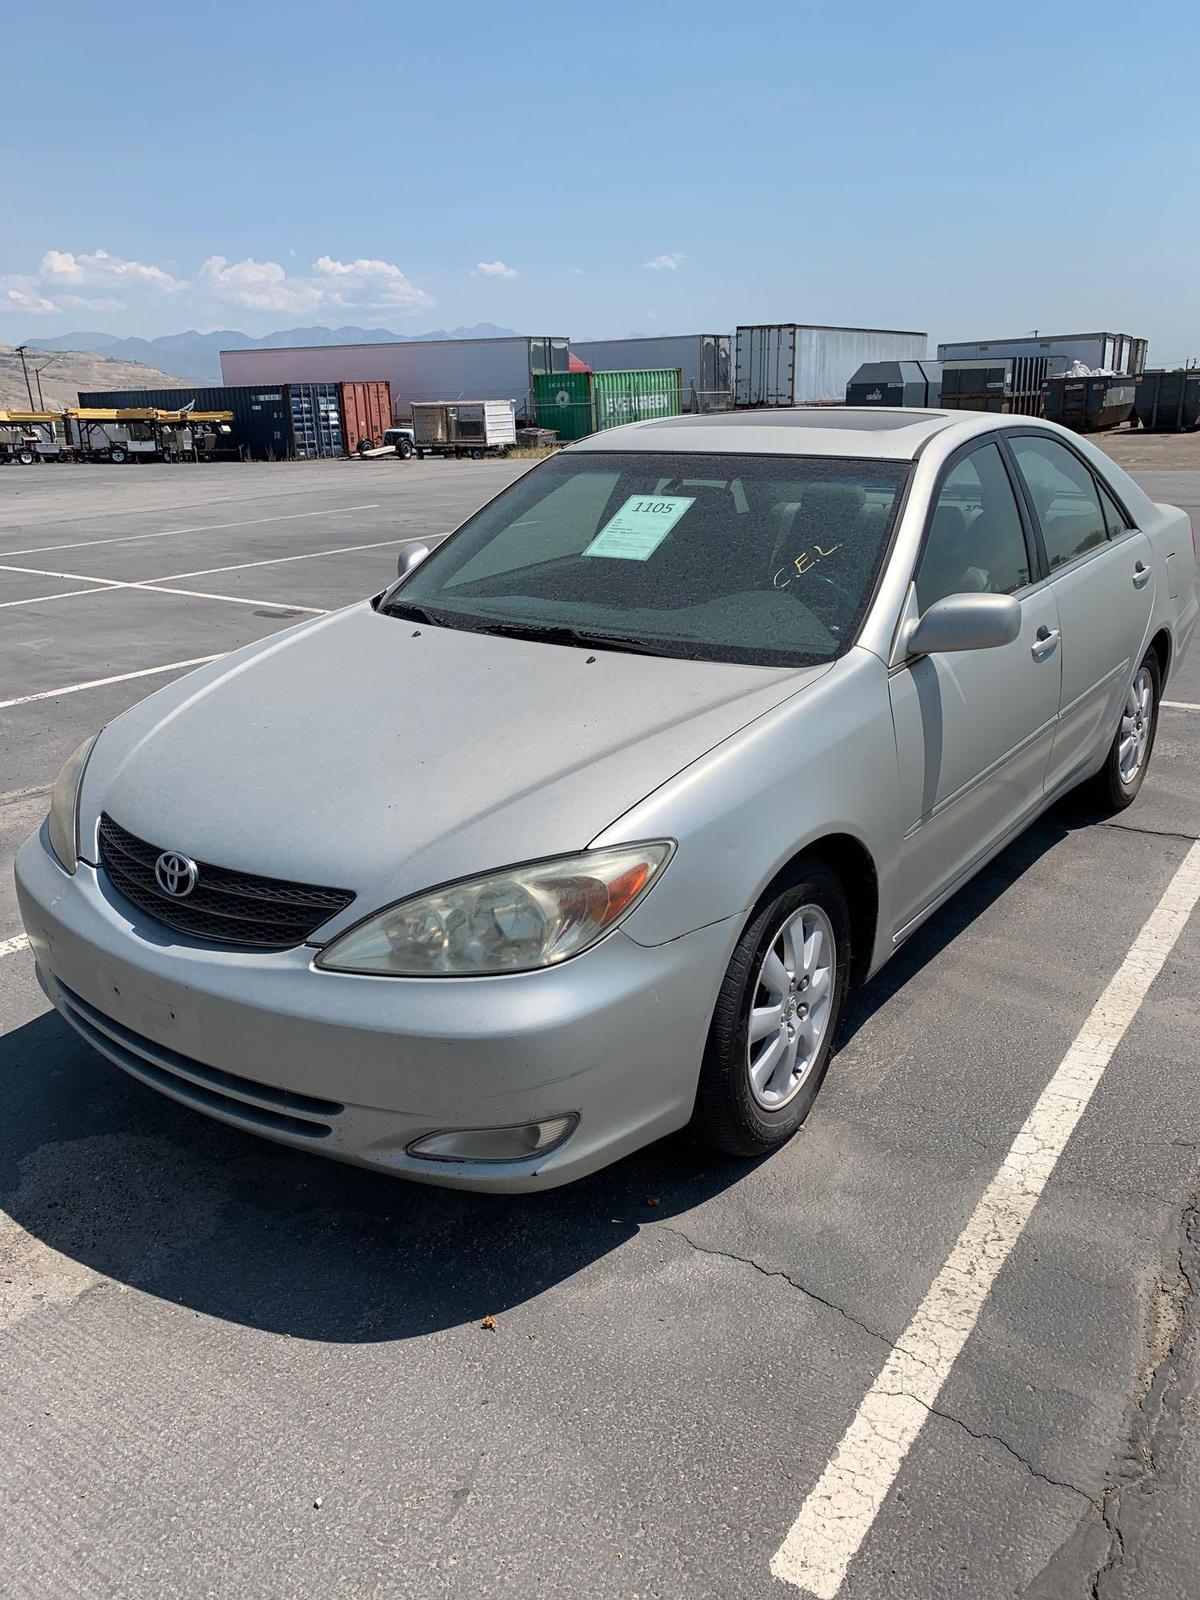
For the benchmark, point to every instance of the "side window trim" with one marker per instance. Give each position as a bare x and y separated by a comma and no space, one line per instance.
1034,554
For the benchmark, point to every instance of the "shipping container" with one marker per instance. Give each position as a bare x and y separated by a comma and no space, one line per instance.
791,364
895,383
366,413
1110,352
1088,405
575,404
703,359
417,369
316,415
1169,401
261,427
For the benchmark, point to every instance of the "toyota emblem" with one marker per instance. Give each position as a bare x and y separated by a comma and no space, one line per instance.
175,874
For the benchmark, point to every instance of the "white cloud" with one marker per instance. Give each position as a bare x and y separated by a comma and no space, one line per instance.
367,282
99,282
669,261
21,293
577,272
100,270
494,269
338,285
257,286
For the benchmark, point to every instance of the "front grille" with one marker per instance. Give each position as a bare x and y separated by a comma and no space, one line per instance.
259,1106
226,907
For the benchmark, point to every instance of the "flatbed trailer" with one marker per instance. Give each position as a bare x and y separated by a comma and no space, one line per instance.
29,436
145,433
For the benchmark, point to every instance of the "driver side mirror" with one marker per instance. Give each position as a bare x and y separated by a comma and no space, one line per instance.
411,558
965,622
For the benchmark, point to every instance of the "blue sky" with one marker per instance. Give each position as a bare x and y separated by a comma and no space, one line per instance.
972,170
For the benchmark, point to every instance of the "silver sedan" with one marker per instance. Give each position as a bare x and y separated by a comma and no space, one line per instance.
579,832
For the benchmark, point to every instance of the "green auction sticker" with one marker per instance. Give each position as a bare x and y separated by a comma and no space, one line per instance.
639,527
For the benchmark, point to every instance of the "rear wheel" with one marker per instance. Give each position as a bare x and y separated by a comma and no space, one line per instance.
404,449
116,455
776,1017
26,457
476,455
1116,784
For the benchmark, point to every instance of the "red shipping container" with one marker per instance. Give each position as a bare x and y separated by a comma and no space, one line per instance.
366,412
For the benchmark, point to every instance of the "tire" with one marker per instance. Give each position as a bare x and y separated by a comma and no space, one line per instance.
404,449
26,457
117,455
733,1115
476,455
1117,783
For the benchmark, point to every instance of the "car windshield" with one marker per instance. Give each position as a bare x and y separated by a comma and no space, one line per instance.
768,560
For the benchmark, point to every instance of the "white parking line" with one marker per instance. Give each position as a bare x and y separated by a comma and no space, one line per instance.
839,1511
99,587
230,599
208,527
278,561
100,683
1179,705
9,947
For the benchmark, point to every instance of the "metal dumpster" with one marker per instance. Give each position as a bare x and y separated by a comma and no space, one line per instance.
1169,400
1088,404
895,383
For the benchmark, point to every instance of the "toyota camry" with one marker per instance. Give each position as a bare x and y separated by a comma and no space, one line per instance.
579,832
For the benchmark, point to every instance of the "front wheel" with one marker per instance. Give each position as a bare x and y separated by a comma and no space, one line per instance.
1116,784
404,449
26,457
116,455
776,1018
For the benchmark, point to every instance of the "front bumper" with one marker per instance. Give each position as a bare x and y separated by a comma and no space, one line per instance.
359,1067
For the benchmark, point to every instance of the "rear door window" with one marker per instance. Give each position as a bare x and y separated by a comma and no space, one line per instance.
1065,496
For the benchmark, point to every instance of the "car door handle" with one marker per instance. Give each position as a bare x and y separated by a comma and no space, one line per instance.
1141,575
1045,642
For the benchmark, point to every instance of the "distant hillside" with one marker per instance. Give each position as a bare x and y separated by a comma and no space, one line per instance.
71,371
196,356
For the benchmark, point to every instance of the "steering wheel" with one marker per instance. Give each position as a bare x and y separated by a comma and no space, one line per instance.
812,577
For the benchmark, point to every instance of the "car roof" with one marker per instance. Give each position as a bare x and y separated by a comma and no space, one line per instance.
891,433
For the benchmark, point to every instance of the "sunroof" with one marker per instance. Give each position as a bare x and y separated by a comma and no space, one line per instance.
842,418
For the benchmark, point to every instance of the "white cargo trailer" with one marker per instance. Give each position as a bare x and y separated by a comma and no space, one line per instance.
417,369
1101,352
703,360
794,364
463,427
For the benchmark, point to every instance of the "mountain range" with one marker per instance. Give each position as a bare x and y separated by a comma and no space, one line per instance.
196,356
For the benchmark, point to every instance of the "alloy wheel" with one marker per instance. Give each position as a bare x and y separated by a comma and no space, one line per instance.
790,1007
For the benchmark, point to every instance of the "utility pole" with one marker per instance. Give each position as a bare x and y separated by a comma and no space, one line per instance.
38,375
25,370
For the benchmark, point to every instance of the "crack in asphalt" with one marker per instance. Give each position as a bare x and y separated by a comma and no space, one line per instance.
777,1272
995,1438
1141,1464
1153,833
934,1411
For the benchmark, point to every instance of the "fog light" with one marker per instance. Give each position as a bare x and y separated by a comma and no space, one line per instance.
495,1144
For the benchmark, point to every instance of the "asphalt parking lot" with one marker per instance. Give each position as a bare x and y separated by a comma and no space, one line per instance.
232,1369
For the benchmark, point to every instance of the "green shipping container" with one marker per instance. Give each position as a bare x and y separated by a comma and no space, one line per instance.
578,403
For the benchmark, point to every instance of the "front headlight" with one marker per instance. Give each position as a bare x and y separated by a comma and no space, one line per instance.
64,801
510,921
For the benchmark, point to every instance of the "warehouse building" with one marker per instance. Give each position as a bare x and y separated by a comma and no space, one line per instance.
417,369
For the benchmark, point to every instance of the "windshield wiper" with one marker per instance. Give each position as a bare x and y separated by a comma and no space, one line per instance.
408,612
558,633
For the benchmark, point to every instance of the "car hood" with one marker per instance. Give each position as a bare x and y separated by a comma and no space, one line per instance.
364,752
